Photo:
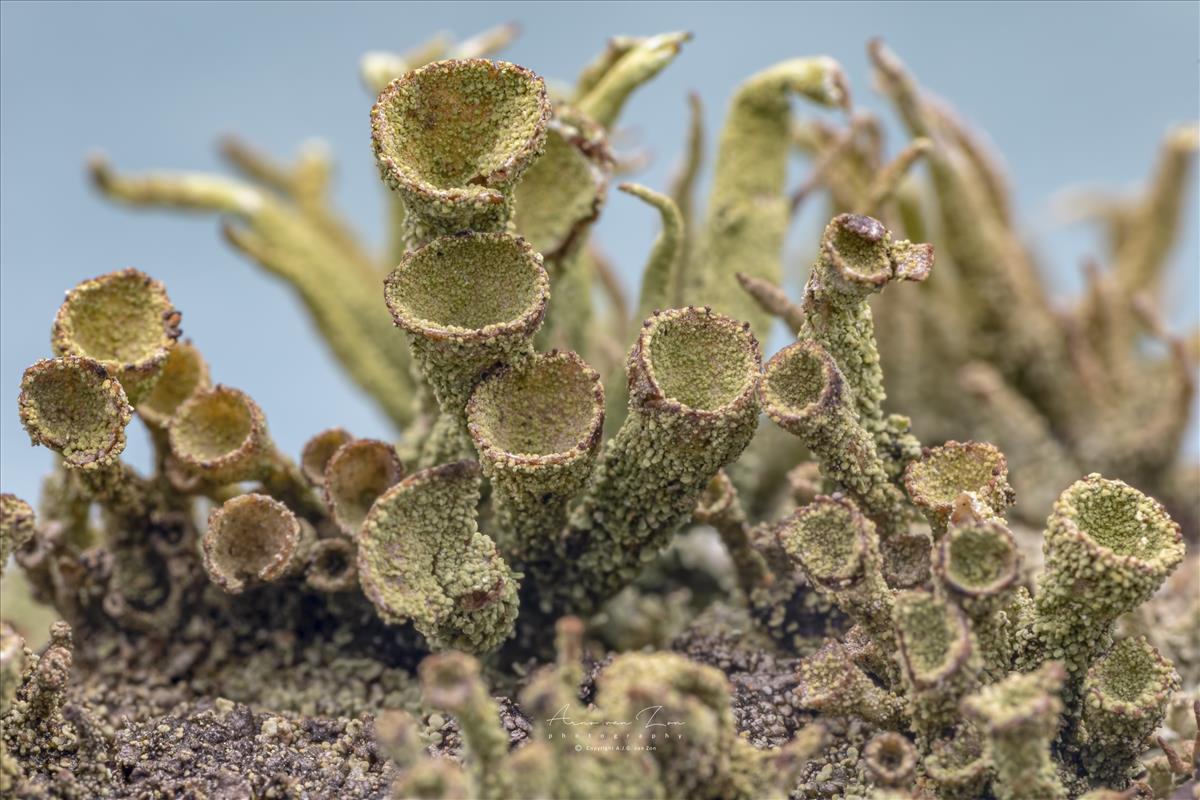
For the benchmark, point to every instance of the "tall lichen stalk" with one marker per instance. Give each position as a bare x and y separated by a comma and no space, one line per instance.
821,604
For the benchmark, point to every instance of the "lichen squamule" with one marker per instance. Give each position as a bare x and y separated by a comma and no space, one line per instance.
930,548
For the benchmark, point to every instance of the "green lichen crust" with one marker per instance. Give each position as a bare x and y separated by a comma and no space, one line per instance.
1020,717
1108,548
537,428
125,321
422,558
693,376
1125,697
838,550
318,450
937,658
74,406
452,139
251,538
748,209
804,392
450,682
17,526
184,373
830,683
859,257
356,475
944,473
977,565
468,303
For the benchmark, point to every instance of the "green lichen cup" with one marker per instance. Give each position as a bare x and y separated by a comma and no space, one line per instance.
77,408
253,538
125,321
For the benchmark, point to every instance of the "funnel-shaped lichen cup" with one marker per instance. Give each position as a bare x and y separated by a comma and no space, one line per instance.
454,137
76,407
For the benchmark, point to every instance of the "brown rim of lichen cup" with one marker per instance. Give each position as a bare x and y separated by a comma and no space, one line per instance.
449,82
358,470
874,263
76,407
988,479
803,361
547,410
183,374
695,363
891,759
122,319
250,537
417,291
958,642
1105,686
318,450
220,433
1003,548
856,553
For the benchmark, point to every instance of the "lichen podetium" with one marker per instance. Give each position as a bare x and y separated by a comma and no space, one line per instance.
609,553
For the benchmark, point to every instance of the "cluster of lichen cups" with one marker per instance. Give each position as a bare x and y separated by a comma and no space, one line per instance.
971,685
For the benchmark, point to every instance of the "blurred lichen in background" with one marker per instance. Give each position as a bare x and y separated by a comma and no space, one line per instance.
914,554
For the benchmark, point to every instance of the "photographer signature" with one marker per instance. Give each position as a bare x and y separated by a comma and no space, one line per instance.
647,716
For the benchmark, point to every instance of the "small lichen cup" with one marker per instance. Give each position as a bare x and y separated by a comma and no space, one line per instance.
77,408
253,538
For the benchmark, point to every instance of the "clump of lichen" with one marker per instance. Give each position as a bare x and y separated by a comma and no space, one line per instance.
506,602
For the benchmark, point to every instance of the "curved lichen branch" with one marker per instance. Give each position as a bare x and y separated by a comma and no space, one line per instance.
637,64
748,210
662,267
422,558
452,139
772,299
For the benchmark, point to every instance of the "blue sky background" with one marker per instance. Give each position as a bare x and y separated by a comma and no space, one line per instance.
1069,93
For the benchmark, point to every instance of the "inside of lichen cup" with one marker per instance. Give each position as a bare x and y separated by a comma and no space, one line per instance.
861,244
979,555
319,450
118,319
253,536
701,362
74,409
454,124
212,425
1114,515
795,378
357,475
927,634
546,405
182,374
1126,671
827,535
947,472
467,282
